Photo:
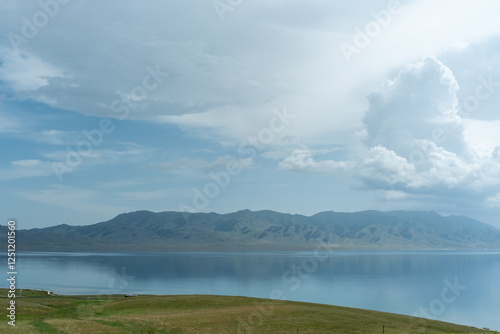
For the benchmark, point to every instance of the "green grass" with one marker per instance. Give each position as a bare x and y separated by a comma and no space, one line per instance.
37,312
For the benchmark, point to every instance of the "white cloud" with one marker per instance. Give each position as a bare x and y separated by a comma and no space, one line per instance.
416,138
442,171
392,195
415,142
230,79
302,160
419,104
220,81
383,168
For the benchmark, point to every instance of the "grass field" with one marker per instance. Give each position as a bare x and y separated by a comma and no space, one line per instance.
38,312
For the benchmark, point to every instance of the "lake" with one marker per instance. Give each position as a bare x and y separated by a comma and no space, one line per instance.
455,286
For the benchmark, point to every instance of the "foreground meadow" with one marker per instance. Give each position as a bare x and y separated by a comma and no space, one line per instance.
38,312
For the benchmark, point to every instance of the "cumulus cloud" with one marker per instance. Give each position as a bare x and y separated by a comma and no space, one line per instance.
419,104
414,141
416,138
301,160
223,72
384,168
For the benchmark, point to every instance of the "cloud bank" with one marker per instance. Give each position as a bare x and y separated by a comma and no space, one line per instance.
413,141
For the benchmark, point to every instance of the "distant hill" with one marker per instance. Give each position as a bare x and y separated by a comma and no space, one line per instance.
264,230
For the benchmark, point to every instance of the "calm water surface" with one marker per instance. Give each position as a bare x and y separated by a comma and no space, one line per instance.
454,286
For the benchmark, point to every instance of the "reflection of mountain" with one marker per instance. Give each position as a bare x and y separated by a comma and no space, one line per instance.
144,230
263,265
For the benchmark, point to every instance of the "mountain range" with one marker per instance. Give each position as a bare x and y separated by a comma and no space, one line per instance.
263,230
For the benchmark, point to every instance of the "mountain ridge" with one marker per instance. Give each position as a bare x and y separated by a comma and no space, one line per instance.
265,229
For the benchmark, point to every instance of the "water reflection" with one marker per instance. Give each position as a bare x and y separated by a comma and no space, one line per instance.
400,282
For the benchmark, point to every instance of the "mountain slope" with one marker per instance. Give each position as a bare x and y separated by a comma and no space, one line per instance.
145,230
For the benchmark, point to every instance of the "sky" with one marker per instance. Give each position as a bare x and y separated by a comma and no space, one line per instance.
218,106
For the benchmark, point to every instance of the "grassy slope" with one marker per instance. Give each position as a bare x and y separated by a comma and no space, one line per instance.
38,312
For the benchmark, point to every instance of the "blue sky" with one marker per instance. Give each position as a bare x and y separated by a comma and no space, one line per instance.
217,106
